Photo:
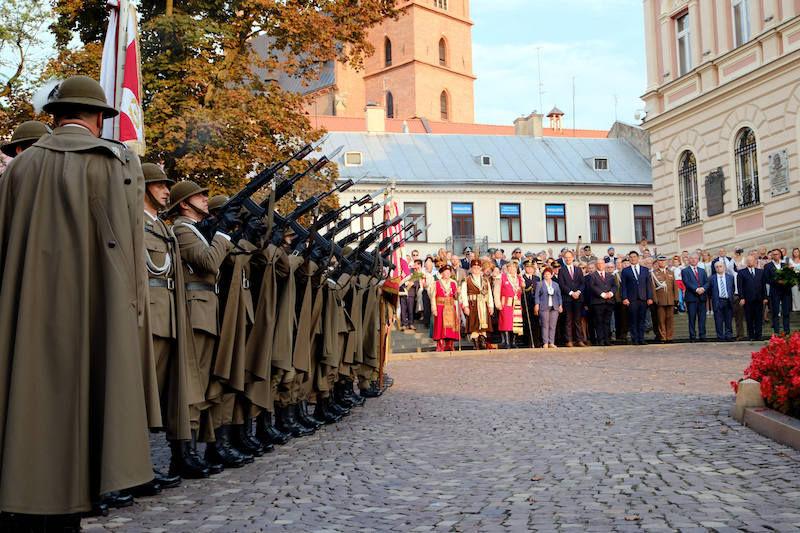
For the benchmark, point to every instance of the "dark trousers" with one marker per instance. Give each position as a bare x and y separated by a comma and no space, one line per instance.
621,321
723,318
407,306
601,314
426,308
697,314
573,309
738,318
784,303
653,310
754,316
637,316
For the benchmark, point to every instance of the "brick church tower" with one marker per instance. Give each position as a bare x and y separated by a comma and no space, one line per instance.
422,67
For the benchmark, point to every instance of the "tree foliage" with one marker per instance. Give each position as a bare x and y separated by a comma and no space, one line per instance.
210,114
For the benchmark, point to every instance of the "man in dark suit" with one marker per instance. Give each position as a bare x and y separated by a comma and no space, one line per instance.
780,294
637,295
697,286
752,296
723,288
570,280
499,257
468,257
602,287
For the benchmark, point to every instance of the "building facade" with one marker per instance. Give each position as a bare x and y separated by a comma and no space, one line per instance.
502,190
421,68
722,107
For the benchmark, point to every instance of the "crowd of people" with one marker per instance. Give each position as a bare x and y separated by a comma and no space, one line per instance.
131,303
576,298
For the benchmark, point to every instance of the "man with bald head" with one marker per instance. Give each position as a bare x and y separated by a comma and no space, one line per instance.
697,285
602,289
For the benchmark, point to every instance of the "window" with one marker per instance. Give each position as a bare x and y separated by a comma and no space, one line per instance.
741,22
599,226
556,218
442,52
600,163
443,104
441,4
746,168
463,222
387,52
353,159
643,222
367,220
486,160
389,105
510,223
687,181
684,46
418,213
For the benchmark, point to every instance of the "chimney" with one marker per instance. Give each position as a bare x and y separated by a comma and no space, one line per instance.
530,126
376,118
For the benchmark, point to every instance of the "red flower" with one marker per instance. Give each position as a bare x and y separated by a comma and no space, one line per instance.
777,367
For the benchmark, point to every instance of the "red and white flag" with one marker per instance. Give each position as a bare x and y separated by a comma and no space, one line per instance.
390,211
121,75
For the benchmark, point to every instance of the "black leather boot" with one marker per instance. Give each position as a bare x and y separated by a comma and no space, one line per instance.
182,462
288,423
98,509
306,419
512,340
387,381
221,451
322,411
151,488
166,482
336,407
373,391
340,395
506,341
249,436
213,467
242,444
482,342
117,499
356,398
267,433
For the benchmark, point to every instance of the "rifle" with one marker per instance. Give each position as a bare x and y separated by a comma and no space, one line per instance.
332,216
208,226
346,223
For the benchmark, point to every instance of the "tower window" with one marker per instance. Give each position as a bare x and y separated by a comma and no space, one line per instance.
443,104
442,52
441,4
387,52
683,44
389,105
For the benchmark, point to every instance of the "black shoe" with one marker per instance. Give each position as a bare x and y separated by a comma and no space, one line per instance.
242,444
387,381
221,452
323,412
287,422
373,391
250,437
185,462
643,343
356,399
117,499
340,395
151,488
337,408
306,419
267,433
166,482
98,509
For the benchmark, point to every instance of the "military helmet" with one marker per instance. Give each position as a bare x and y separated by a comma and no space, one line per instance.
347,250
182,191
154,174
80,91
217,201
27,132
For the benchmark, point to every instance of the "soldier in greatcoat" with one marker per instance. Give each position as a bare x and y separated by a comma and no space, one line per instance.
72,306
24,136
664,298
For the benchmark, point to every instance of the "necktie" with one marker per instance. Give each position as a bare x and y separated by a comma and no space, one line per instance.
636,272
752,273
603,275
723,293
571,274
696,274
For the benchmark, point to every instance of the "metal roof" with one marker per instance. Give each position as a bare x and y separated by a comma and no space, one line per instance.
293,84
515,160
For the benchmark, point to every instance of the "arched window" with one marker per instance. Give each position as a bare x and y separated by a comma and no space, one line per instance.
387,52
746,168
687,177
442,52
389,105
443,104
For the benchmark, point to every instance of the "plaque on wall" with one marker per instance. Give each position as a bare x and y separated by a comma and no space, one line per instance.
715,192
779,172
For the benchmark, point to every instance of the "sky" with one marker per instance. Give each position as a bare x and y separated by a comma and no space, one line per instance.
599,42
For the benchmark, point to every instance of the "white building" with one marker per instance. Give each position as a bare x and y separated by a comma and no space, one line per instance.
503,190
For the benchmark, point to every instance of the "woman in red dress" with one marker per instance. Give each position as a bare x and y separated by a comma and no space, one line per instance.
447,323
508,289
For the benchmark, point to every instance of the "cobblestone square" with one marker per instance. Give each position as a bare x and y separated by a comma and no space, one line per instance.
616,439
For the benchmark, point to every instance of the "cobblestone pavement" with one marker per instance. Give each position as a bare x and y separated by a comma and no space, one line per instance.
615,439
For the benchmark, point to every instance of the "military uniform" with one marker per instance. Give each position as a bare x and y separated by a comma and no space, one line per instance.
72,358
24,136
530,321
664,292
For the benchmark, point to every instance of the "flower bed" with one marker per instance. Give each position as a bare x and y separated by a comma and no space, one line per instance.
777,367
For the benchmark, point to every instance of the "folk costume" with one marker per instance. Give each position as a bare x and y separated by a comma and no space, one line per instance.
476,296
507,300
447,325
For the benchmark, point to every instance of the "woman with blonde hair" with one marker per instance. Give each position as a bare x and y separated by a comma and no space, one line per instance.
548,307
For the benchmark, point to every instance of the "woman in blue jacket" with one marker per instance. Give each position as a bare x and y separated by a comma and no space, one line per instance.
548,306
